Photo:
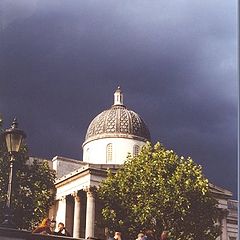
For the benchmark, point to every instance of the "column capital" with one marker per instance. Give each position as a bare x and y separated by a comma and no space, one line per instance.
90,189
62,198
75,196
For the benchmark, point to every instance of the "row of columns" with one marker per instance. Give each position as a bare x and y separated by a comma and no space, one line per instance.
61,213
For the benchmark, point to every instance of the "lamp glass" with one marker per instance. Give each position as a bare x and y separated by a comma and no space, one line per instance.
13,141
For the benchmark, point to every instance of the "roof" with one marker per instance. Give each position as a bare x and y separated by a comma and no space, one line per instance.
118,121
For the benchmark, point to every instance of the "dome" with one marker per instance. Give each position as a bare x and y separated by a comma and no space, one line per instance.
117,122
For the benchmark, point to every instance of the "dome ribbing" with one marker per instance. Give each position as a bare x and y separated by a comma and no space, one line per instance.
118,121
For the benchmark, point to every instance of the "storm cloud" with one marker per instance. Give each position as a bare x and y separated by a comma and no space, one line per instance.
175,61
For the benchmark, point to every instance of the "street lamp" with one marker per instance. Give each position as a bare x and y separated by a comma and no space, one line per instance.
13,137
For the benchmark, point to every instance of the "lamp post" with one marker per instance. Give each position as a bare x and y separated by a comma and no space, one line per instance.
13,137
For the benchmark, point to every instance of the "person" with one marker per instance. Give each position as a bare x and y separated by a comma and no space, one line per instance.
43,227
149,235
53,226
62,231
109,234
140,236
117,236
164,235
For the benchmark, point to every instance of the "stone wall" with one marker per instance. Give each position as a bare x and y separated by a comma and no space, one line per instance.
15,234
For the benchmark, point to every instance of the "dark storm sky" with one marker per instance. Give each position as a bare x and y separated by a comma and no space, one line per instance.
175,61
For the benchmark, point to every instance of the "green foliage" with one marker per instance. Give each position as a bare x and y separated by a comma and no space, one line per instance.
33,188
160,191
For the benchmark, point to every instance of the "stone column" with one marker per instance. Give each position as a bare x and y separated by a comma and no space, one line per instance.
77,215
61,210
90,213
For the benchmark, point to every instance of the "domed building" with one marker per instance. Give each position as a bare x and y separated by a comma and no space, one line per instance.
115,133
111,136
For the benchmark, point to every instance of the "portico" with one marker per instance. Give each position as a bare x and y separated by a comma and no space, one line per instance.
76,203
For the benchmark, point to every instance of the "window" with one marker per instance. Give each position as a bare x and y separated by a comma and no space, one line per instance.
87,155
109,153
135,150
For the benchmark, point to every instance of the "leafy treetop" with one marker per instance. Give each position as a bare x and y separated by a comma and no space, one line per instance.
158,190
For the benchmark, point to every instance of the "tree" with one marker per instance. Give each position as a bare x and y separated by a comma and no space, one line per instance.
33,188
158,190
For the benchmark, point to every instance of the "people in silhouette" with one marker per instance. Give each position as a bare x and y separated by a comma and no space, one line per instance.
62,231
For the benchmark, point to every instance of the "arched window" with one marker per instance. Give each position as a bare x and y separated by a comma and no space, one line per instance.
136,149
87,155
109,153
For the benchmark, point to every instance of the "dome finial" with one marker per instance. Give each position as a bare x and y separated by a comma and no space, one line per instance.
118,97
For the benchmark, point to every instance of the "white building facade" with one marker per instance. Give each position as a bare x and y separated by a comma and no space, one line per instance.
111,137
